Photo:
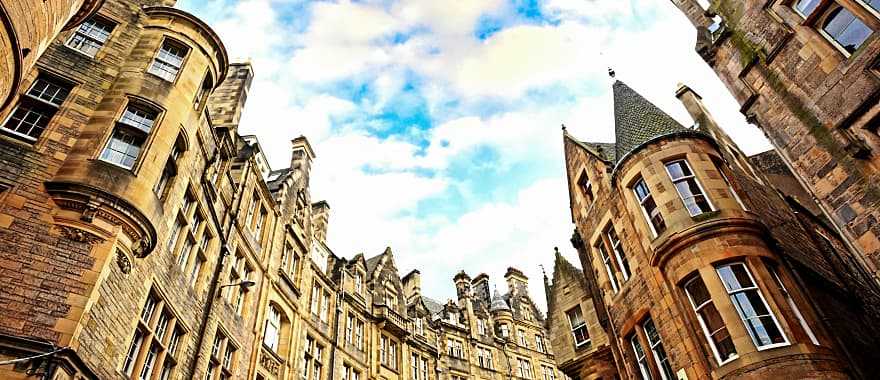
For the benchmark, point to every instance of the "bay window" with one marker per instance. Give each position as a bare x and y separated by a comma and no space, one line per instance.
751,306
689,189
710,321
649,207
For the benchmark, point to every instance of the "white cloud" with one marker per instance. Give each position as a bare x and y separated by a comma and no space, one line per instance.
377,187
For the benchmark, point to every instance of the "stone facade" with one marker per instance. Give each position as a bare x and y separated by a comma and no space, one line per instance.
673,224
143,237
813,90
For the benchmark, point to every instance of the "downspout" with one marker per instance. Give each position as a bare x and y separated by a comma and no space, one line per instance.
218,269
336,322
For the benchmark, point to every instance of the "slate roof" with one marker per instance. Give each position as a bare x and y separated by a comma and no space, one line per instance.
637,120
433,306
498,303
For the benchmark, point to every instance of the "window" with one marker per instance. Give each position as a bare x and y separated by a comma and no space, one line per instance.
484,357
505,330
349,373
641,358
239,271
325,307
806,7
289,261
418,367
656,346
586,187
710,321
525,311
201,97
609,267
578,327
390,298
688,187
704,4
349,328
313,354
159,334
751,306
793,305
521,335
168,60
617,248
358,283
481,326
222,358
525,368
171,167
420,326
272,335
90,36
259,223
307,357
388,352
455,348
649,207
548,372
316,298
131,131
359,334
539,342
844,28
35,108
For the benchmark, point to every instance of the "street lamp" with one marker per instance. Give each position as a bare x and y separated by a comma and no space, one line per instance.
245,285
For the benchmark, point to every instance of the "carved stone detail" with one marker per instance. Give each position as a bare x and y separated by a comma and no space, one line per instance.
123,262
79,235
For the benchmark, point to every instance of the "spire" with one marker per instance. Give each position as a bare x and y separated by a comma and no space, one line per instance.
637,120
498,303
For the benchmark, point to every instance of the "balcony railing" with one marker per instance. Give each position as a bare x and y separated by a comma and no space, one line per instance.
394,321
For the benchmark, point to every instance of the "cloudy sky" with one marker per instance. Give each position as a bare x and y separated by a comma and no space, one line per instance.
437,123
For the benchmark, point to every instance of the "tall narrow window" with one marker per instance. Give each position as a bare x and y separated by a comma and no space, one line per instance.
222,358
751,306
525,368
539,343
168,60
129,136
272,336
578,327
35,108
710,321
649,207
155,340
844,28
609,268
641,357
688,187
793,305
90,36
617,247
586,187
201,97
171,167
656,345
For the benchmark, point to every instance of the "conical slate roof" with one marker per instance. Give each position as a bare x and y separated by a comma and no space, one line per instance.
637,120
498,303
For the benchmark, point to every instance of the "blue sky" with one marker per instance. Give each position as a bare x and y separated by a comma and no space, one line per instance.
437,124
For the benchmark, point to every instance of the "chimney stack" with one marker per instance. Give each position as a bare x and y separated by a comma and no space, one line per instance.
320,220
412,285
517,282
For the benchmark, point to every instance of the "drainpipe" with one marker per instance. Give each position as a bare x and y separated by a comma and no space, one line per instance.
218,269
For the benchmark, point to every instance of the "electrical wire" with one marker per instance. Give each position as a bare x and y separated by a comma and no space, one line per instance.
19,360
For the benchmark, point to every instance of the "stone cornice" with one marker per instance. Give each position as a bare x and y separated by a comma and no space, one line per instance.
679,240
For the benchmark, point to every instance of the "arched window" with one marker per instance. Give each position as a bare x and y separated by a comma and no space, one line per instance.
845,29
272,335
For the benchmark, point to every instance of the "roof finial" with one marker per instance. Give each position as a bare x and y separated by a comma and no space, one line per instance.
611,73
563,127
542,270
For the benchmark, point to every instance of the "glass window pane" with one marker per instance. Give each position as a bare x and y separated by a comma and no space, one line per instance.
806,7
846,29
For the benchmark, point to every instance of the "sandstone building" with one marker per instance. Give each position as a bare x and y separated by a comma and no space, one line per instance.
143,237
806,73
699,262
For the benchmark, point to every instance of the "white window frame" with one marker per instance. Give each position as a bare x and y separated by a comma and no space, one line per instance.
654,349
756,288
794,308
575,328
609,269
708,334
273,321
641,202
617,248
100,41
685,178
641,361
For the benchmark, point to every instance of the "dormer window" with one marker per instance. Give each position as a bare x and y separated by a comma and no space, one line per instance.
390,298
358,283
420,326
586,187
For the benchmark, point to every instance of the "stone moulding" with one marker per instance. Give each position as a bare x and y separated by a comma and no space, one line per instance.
679,240
93,203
